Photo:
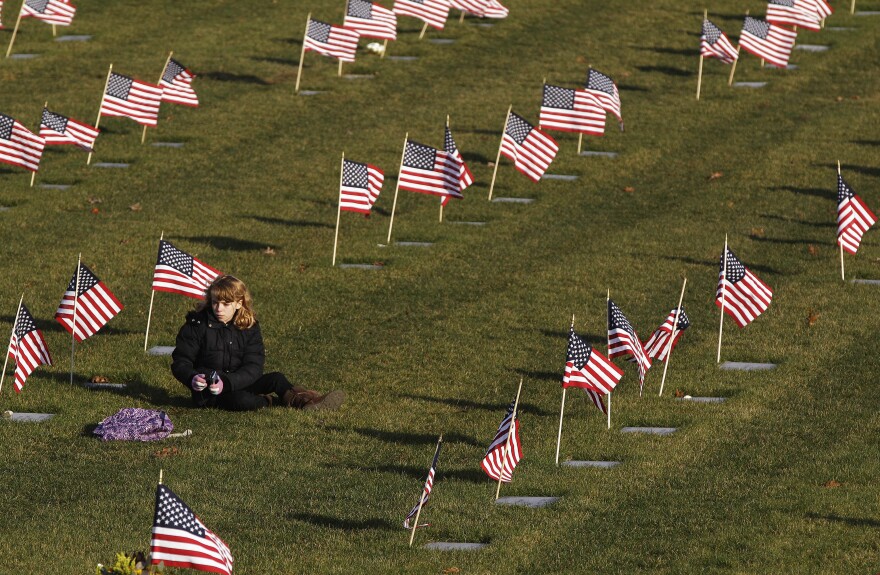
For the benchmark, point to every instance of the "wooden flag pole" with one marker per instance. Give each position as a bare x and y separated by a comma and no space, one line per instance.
510,431
415,526
672,337
700,77
733,67
34,173
723,293
98,121
561,411
441,199
15,30
14,327
424,29
384,48
498,157
302,54
461,18
396,189
580,142
160,475
842,271
852,7
338,209
608,350
150,312
162,75
75,301
339,73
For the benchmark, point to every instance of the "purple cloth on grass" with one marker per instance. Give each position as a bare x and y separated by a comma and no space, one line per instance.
135,424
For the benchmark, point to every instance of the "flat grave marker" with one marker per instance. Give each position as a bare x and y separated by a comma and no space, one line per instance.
749,84
650,430
866,282
414,244
746,366
161,350
563,177
868,13
358,76
310,92
811,47
451,546
442,41
24,56
533,502
513,200
403,58
28,417
463,223
598,464
54,186
591,153
360,266
702,399
113,386
73,38
167,144
114,165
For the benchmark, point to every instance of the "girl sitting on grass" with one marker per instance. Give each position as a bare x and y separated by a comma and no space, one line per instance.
219,355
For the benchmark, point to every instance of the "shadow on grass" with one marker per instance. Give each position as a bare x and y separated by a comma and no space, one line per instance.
693,261
45,325
851,521
227,243
666,71
818,192
689,52
787,241
869,171
290,223
867,142
465,405
282,61
410,438
539,375
589,338
475,158
826,224
238,78
468,475
343,524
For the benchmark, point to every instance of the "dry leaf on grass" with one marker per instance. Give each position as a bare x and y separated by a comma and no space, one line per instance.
831,483
452,570
135,207
96,211
269,251
629,189
757,232
679,393
99,379
166,452
94,200
715,175
812,318
813,250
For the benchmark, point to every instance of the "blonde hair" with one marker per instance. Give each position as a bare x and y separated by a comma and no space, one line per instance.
231,289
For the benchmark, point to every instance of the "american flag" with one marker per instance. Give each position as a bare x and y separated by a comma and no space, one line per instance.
622,340
766,41
58,129
715,44
465,178
588,369
475,7
530,149
371,20
570,110
605,90
494,9
180,539
133,99
56,12
820,7
788,12
333,41
426,492
27,347
176,84
95,305
854,218
745,296
657,344
178,272
502,456
431,12
18,145
427,170
361,184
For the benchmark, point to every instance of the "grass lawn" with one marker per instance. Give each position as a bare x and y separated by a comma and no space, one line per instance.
780,478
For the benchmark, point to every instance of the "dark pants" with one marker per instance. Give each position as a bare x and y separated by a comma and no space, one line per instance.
247,399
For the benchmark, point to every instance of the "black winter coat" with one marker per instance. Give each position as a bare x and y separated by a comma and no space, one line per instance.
205,344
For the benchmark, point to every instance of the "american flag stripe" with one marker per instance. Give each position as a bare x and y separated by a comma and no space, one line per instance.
178,272
474,7
55,12
60,130
854,217
605,90
657,344
27,347
715,44
786,12
820,7
502,456
530,149
332,41
432,12
569,110
766,41
18,145
176,84
465,178
361,184
129,98
587,368
426,491
597,400
95,306
371,20
745,296
175,550
494,9
622,339
427,170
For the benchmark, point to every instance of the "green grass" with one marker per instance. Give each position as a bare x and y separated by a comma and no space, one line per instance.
437,341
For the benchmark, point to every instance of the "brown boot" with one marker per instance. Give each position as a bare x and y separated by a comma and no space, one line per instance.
268,398
301,398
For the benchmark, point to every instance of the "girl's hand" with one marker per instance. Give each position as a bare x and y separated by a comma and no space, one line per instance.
198,382
216,387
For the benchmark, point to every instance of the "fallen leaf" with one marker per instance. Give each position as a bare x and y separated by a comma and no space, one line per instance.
99,379
580,60
166,452
813,250
135,207
452,570
715,175
757,232
812,318
831,483
629,189
729,204
302,267
96,211
94,201
679,393
269,251
378,263
490,164
839,98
